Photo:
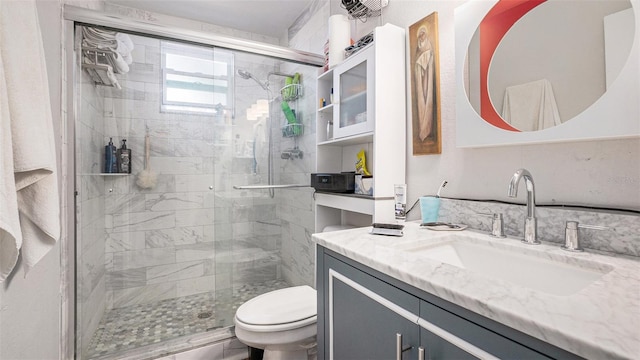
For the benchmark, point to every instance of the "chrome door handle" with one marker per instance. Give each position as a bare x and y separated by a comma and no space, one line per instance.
399,349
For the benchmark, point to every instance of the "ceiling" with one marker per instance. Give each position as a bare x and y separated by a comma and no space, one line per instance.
266,17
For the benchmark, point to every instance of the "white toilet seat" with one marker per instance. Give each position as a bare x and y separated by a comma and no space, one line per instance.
282,322
279,310
276,327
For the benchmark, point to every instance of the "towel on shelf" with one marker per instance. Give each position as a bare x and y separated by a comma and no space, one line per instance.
531,106
119,44
32,136
118,63
96,34
125,44
128,58
114,60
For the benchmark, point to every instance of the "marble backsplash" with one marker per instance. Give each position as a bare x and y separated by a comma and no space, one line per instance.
622,237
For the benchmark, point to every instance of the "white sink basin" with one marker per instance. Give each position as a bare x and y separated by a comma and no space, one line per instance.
536,270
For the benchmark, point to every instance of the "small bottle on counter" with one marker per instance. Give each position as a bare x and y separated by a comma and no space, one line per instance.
400,199
124,158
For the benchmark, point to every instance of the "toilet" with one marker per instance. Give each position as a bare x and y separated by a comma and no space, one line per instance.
282,322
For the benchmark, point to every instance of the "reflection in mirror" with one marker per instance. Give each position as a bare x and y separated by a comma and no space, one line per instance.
535,64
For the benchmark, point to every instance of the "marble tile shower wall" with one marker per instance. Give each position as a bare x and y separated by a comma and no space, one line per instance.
295,206
90,252
192,233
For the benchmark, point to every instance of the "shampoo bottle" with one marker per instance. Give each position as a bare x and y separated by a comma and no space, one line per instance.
124,158
288,114
110,162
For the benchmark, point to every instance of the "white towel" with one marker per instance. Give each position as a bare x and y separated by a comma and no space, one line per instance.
10,235
32,136
128,58
99,36
531,106
125,44
120,44
119,64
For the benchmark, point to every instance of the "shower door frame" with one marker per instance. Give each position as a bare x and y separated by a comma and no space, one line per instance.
94,18
73,16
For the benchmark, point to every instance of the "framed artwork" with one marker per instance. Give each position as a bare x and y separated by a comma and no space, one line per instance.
425,86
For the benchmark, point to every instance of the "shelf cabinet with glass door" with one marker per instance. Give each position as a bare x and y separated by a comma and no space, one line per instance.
367,113
354,98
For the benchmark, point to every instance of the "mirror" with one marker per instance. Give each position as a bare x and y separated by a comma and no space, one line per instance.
582,77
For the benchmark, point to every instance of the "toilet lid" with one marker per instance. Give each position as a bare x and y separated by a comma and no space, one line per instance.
279,307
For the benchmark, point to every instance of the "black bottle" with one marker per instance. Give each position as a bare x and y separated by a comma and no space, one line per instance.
124,158
110,162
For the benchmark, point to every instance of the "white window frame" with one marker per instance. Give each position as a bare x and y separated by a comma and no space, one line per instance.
215,55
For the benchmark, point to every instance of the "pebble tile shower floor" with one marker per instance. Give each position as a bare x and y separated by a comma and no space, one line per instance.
140,325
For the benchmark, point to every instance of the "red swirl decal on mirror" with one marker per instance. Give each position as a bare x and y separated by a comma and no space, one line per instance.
493,28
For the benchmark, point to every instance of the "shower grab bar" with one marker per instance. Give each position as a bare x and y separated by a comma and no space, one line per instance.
258,187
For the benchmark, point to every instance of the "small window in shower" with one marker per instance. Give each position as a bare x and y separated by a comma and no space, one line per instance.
196,79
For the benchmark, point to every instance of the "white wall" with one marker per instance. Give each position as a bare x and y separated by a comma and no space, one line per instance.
30,311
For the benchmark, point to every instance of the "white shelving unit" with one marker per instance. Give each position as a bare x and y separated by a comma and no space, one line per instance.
371,116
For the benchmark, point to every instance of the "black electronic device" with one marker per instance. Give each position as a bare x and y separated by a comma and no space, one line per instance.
334,182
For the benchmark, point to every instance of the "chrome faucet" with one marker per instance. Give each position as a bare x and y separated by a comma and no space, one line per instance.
530,222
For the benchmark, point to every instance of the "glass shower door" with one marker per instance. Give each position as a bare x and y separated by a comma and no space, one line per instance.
145,258
169,261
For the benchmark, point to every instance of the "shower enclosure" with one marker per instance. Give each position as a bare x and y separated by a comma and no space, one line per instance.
163,266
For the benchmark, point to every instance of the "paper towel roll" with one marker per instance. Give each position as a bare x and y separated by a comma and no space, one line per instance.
339,38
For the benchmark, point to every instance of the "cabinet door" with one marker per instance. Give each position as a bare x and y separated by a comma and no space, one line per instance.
365,316
354,95
436,348
445,335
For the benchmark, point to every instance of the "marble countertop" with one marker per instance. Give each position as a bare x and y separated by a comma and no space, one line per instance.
600,321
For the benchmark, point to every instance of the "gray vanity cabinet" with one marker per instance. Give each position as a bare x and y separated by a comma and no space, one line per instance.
361,327
362,312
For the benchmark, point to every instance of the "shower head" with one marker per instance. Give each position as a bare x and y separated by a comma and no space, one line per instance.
244,74
247,75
